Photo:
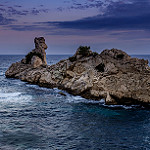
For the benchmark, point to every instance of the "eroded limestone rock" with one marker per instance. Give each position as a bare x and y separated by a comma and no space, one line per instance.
37,56
36,61
112,75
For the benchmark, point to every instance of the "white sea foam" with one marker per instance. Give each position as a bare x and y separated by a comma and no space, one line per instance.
5,95
120,106
15,97
32,86
79,99
56,90
1,73
18,97
38,87
18,82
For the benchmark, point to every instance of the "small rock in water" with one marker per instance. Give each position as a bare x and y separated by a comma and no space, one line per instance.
61,93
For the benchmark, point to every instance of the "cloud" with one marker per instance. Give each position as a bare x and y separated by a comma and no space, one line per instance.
111,22
133,14
128,8
86,5
5,21
11,11
117,15
81,5
28,27
18,6
18,10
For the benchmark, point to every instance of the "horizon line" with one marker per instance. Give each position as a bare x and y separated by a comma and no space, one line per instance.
73,54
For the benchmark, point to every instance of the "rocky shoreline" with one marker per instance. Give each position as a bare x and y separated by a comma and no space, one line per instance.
111,75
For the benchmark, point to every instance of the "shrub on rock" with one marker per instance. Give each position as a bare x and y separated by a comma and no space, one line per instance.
84,50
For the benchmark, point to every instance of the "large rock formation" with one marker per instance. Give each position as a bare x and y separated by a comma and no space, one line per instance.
37,56
112,75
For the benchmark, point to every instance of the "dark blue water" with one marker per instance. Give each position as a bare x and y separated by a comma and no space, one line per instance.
35,118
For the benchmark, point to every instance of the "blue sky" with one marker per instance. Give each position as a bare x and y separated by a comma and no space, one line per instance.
67,24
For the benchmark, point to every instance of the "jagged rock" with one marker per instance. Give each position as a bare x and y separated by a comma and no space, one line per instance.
37,56
109,100
40,47
112,75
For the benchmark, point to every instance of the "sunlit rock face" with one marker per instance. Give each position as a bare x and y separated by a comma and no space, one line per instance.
112,75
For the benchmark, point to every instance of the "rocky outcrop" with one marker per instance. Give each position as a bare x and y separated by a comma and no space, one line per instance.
112,75
37,56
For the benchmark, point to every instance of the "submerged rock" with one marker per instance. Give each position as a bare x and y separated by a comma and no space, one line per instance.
61,93
112,75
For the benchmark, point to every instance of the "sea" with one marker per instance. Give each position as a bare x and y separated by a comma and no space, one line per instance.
37,118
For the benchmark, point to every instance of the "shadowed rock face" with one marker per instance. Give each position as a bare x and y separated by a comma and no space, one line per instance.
112,75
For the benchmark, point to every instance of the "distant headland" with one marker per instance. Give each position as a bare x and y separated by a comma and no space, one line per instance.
111,75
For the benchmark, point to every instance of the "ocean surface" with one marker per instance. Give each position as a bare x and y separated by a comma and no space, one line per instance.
36,118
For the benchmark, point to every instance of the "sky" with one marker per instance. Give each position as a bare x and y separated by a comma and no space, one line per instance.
67,24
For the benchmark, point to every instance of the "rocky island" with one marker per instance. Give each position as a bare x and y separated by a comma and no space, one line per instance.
111,75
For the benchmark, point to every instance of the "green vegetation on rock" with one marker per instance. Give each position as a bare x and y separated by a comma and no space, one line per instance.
84,50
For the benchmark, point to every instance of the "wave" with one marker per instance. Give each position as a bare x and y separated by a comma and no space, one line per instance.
15,97
5,95
68,99
79,99
38,87
2,73
120,106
